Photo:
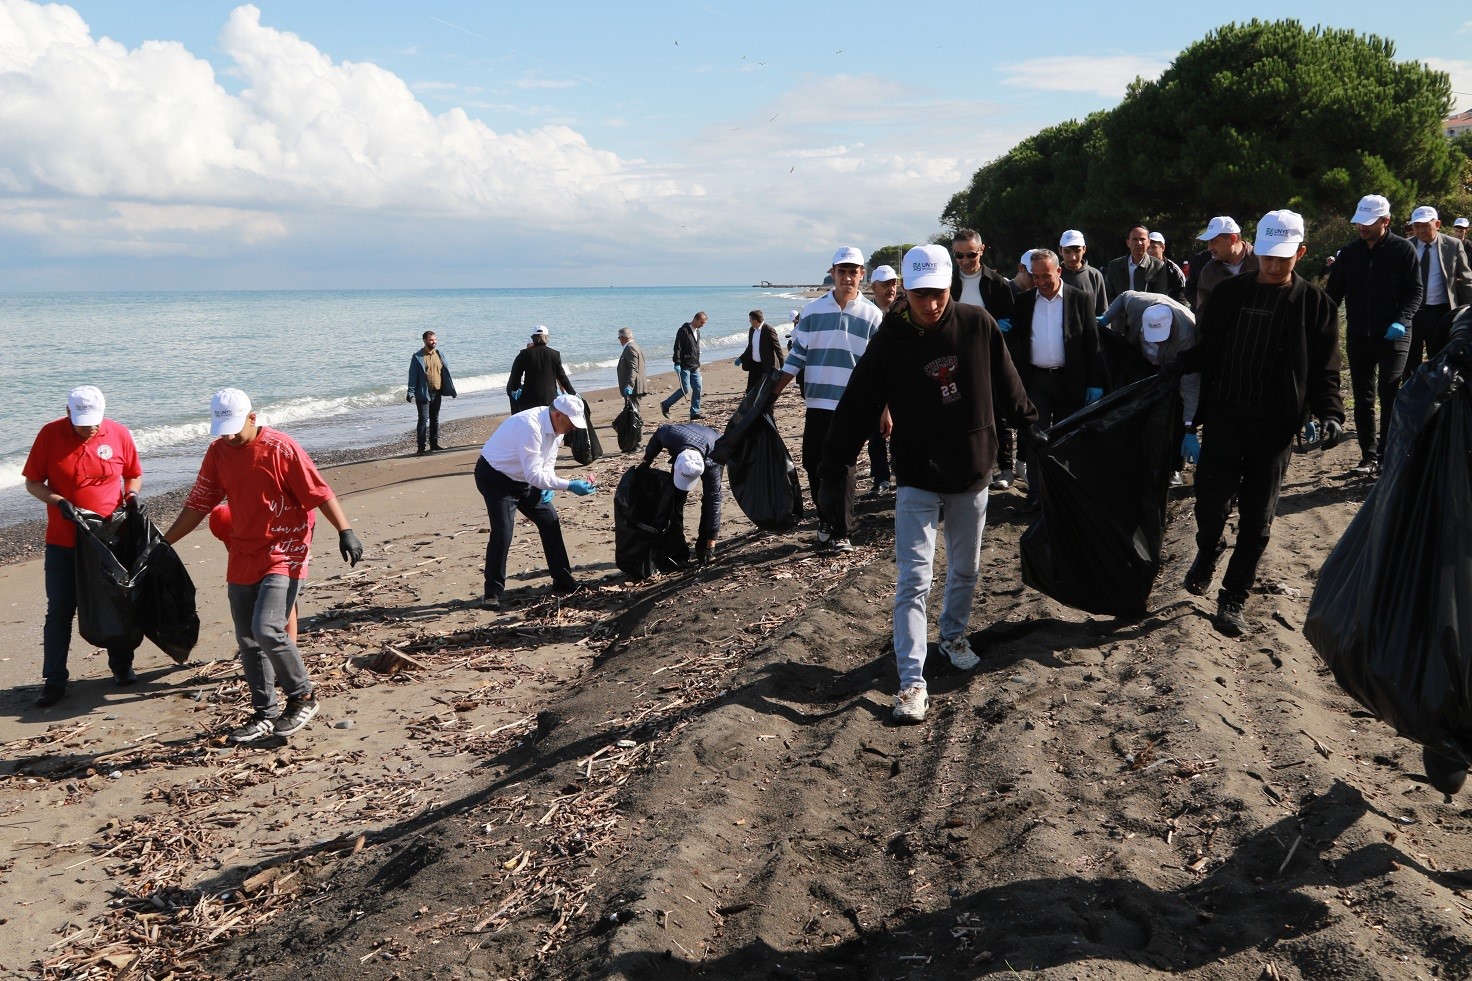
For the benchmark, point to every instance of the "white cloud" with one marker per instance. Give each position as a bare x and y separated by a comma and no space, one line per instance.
1103,75
1461,72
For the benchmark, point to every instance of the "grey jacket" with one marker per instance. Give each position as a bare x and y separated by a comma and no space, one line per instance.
1125,317
1455,271
631,370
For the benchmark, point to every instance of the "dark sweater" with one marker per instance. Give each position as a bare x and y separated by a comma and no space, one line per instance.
945,387
687,348
675,438
1378,286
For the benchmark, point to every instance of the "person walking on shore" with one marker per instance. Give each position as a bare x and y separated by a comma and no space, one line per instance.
429,381
631,381
1446,279
831,336
516,471
271,484
943,370
537,375
687,366
689,445
1378,280
1269,353
763,350
81,461
1078,273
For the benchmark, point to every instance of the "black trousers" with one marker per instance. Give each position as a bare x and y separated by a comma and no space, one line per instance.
814,434
504,497
429,422
1050,396
1244,458
878,458
1375,369
1430,330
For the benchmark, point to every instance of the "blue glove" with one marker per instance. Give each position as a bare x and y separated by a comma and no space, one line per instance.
516,395
547,496
1102,320
581,488
1004,325
1310,431
1092,395
737,362
1396,332
1191,448
628,391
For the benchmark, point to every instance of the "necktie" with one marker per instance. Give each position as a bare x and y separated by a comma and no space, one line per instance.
1425,270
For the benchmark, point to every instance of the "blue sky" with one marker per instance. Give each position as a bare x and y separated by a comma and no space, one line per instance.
174,145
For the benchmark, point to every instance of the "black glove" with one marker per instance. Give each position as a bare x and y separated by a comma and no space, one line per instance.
130,502
67,509
1330,433
1034,436
348,544
1172,369
703,553
409,398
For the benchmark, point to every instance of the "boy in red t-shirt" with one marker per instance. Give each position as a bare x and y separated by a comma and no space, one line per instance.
272,485
80,461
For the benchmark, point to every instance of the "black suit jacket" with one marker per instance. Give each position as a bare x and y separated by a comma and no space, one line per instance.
1083,367
769,357
1153,276
996,292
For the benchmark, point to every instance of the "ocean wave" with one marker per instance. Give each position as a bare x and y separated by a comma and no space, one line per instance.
482,383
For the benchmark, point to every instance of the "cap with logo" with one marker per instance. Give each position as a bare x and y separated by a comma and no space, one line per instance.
883,274
1157,237
1372,208
1279,234
1026,261
572,407
85,405
689,465
229,410
1071,238
1460,223
927,267
1424,213
1220,225
1156,322
848,256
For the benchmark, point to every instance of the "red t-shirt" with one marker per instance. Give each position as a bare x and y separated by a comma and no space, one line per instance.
272,485
88,473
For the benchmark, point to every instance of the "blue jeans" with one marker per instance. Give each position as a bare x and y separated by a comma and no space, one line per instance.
267,652
61,609
689,385
917,513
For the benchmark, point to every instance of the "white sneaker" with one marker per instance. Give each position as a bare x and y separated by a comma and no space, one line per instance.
824,534
962,657
910,704
883,488
841,545
1002,480
1176,480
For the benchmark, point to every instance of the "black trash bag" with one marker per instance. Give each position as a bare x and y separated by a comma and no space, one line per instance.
1394,598
756,404
648,524
131,584
629,426
763,477
1104,484
584,442
1124,363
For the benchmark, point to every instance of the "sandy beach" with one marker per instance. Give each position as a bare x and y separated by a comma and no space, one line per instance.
697,775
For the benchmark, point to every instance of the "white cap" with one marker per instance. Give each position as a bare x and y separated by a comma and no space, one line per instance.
85,404
1156,321
572,407
1371,209
1026,261
1424,213
540,331
689,465
1460,223
1071,237
793,315
881,275
848,255
927,267
1280,233
1157,237
229,410
1220,225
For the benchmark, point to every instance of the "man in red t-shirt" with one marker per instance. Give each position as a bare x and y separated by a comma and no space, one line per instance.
80,461
271,485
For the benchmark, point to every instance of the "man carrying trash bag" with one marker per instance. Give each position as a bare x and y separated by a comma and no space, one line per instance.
1392,605
943,369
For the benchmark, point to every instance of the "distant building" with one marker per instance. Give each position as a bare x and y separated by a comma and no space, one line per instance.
1455,126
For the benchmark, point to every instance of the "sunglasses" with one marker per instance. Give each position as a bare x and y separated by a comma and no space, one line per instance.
968,255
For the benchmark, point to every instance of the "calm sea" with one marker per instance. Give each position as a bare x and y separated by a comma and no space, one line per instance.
329,366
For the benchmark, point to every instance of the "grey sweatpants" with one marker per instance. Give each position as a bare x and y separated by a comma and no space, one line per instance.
267,654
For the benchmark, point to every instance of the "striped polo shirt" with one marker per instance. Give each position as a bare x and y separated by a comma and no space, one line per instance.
827,343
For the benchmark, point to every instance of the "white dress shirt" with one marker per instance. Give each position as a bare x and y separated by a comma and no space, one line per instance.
1435,281
1047,331
524,447
971,290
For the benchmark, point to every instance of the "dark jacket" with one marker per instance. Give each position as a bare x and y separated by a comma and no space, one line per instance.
1311,362
996,292
1091,281
1213,272
537,371
676,437
945,386
1083,365
687,348
771,355
1378,287
419,382
1153,276
631,369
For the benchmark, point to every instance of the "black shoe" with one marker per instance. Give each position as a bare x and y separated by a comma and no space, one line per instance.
1229,620
1444,773
1365,468
125,677
566,587
421,451
665,409
491,601
50,696
1198,577
436,448
696,416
